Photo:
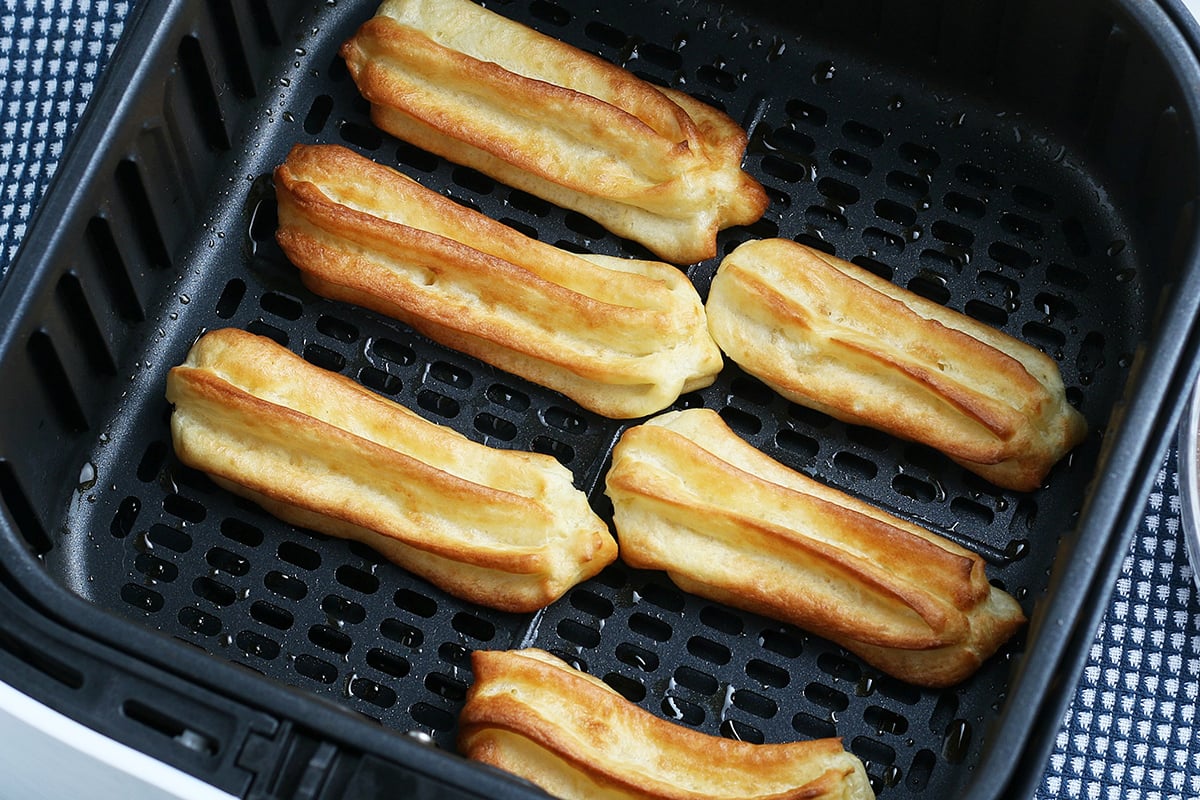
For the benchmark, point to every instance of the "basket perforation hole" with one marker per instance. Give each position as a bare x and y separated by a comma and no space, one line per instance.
721,620
456,654
606,35
930,285
897,690
523,228
767,674
1042,335
941,261
781,642
318,114
255,644
1055,306
742,422
337,328
330,638
198,621
387,662
152,461
850,162
668,598
356,579
871,750
826,697
473,626
528,203
171,538
741,731
413,156
507,397
496,427
638,657
379,380
78,308
287,586
142,598
315,668
362,136
437,403
707,650
231,298
1076,237
1066,277
921,770
717,78
812,727
122,521
155,568
894,212
912,186
299,555
807,113
1010,256
564,420
839,192
55,381
996,284
629,688
953,234
281,305
868,437
572,658
272,615
649,627
680,710
613,576
791,169
885,721
323,357
838,668
964,205
214,592
552,447
472,180
806,447
697,681
401,633
227,561
754,703
1033,199
883,241
1022,227
923,158
986,312
591,603
971,512
431,716
444,686
578,633
790,140
826,219
415,603
343,610
261,328
752,390
976,176
107,254
264,220
368,690
855,465
863,134
550,12
584,226
659,56
915,488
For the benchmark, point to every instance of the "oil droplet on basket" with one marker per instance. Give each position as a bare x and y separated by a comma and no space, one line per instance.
87,476
891,776
1017,549
895,103
824,72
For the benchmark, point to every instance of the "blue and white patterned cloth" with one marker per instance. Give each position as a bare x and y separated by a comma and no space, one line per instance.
1131,732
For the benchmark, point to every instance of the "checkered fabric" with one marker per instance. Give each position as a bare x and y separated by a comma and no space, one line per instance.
1130,733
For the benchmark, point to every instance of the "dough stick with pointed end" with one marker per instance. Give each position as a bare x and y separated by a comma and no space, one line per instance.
500,528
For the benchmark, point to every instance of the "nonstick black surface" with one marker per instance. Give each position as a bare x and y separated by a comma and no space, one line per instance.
933,184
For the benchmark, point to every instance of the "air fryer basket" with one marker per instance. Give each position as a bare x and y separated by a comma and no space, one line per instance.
1036,175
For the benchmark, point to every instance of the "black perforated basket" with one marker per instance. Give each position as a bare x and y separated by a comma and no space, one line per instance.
1036,174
